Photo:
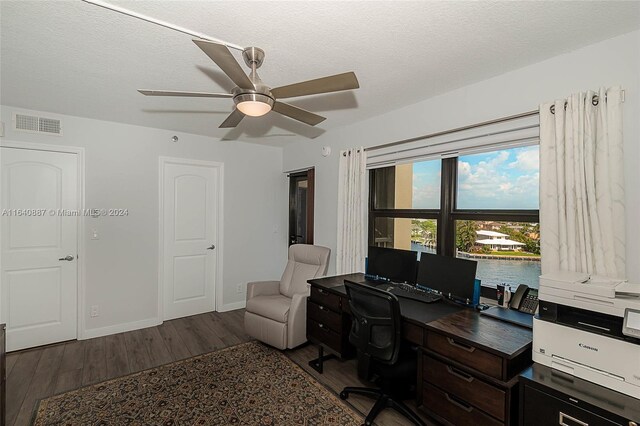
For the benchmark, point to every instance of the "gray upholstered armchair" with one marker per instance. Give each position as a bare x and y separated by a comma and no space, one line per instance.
276,312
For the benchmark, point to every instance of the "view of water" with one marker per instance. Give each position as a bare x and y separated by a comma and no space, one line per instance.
498,271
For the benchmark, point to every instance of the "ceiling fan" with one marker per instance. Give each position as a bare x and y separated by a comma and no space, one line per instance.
254,98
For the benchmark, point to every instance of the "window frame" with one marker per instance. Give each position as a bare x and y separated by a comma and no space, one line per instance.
448,213
375,213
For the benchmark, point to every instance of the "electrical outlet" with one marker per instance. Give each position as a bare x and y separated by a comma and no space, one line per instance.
94,311
240,289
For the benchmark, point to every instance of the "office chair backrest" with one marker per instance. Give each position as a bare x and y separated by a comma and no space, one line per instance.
375,331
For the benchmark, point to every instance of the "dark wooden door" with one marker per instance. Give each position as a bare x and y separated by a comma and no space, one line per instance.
301,206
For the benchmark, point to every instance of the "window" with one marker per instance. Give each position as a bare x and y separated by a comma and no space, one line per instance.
481,206
414,186
404,206
506,252
506,179
406,233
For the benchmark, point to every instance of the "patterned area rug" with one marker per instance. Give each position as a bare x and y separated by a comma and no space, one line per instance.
248,384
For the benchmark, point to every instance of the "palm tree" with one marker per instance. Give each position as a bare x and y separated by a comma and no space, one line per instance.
466,234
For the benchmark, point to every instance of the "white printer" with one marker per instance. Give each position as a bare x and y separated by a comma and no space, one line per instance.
590,327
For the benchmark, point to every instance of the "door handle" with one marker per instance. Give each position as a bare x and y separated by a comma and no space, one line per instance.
211,247
460,374
460,345
68,258
457,402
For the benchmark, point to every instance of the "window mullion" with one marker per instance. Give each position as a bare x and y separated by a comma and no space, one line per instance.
446,225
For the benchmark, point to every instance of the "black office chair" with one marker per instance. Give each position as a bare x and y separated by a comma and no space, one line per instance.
376,334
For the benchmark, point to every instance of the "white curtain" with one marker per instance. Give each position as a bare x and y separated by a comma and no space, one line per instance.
352,211
582,212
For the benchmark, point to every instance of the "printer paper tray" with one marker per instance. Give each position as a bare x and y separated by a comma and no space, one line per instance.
568,366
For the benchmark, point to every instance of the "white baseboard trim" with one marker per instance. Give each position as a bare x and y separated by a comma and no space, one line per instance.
232,306
119,328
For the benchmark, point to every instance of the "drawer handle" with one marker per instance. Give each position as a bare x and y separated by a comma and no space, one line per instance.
462,346
322,327
321,291
322,308
460,374
457,402
575,421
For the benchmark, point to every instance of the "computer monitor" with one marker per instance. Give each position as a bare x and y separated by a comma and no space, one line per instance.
448,275
399,266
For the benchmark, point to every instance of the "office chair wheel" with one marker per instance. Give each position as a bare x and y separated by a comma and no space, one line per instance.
344,395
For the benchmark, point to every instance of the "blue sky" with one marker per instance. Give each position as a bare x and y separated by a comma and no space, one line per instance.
506,179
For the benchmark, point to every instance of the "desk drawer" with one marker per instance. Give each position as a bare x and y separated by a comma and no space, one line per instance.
541,408
471,356
453,409
323,315
478,393
324,298
324,334
412,333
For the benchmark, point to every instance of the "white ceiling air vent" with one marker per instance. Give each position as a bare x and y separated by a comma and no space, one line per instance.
33,124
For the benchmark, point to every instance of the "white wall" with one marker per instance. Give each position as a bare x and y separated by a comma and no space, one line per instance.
121,163
608,63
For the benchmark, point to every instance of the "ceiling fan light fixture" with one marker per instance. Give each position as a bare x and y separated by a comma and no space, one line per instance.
253,104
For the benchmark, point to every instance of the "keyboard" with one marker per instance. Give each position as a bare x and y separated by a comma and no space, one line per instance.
410,292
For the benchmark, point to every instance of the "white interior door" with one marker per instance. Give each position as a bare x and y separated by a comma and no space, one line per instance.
189,214
39,280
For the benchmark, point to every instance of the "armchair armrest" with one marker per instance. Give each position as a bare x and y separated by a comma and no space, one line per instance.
297,328
262,288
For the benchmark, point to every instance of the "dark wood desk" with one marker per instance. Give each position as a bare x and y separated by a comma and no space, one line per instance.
469,364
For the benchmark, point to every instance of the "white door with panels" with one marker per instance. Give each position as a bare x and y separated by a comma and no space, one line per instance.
39,245
189,213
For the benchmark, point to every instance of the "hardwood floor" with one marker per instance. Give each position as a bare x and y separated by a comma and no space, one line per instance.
41,372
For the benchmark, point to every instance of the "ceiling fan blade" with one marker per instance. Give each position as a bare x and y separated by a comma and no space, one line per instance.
298,113
187,94
232,120
221,55
334,83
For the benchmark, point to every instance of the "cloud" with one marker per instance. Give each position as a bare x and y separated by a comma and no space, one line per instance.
426,196
490,181
527,160
426,185
506,179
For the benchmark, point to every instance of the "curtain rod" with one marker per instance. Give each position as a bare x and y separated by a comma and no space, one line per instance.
468,127
457,129
595,99
463,139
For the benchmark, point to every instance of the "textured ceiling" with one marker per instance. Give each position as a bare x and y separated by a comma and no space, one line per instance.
74,58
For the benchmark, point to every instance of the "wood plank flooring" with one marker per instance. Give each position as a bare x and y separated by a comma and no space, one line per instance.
41,372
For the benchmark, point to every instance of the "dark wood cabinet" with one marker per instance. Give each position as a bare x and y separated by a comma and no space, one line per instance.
328,321
468,370
466,386
549,396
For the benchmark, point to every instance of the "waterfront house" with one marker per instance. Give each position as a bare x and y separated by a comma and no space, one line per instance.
497,241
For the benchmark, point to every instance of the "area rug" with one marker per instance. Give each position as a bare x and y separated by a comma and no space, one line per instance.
248,384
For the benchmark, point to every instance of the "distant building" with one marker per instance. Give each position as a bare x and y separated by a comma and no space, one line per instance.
489,225
497,241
